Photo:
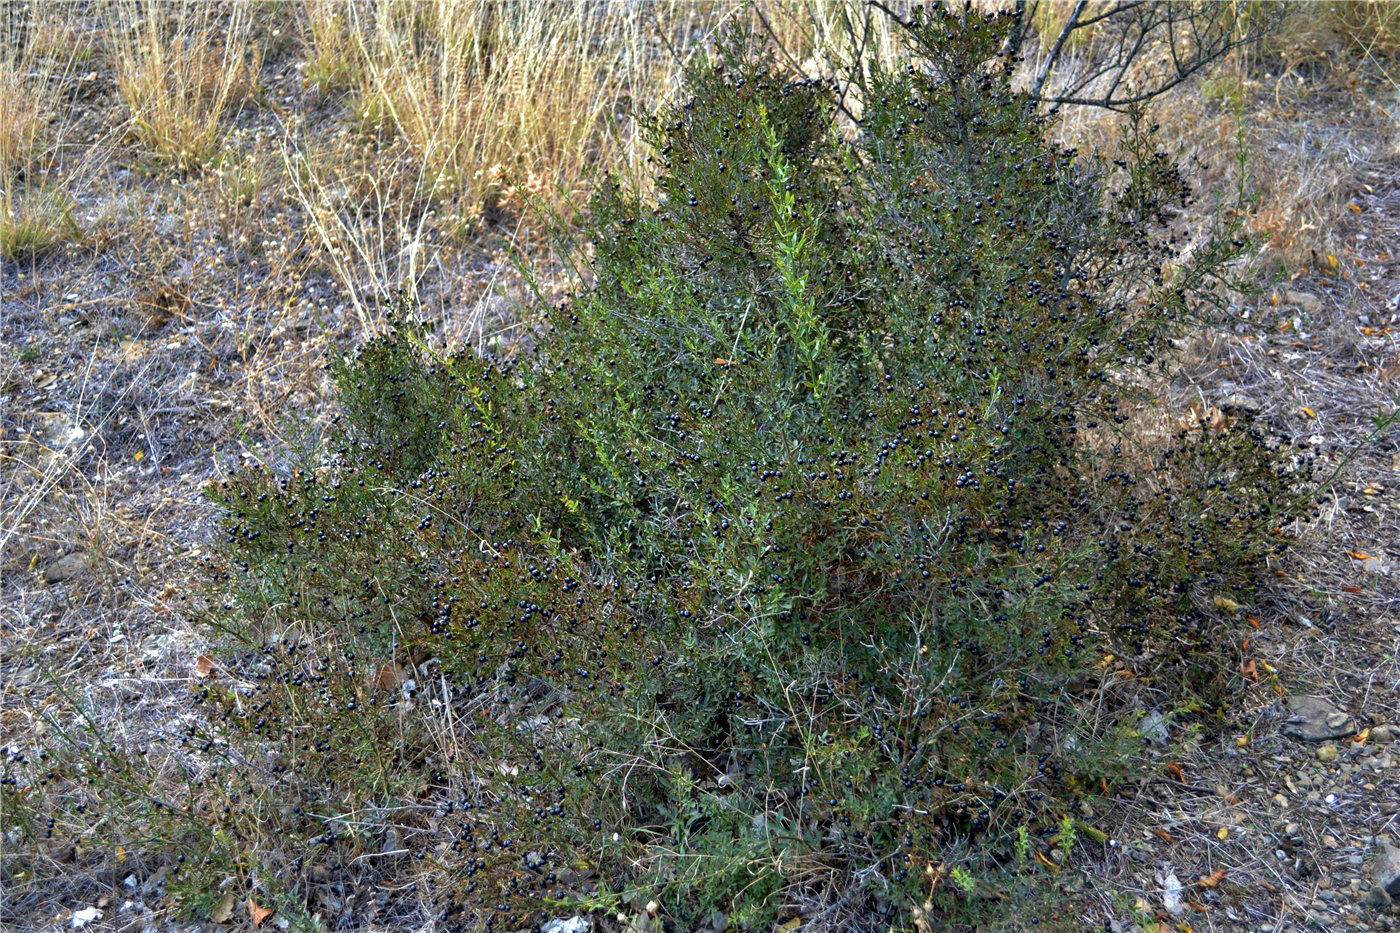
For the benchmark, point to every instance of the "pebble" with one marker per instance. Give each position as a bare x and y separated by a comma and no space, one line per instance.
1327,753
1316,719
1308,302
66,567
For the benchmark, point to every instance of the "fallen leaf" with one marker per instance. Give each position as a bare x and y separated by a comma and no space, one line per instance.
1222,833
1226,603
1253,621
258,914
1308,411
1353,207
1332,261
1250,669
787,926
224,909
1213,879
1162,834
1359,555
389,676
1176,769
203,665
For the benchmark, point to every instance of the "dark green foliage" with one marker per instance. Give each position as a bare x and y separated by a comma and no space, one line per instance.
783,570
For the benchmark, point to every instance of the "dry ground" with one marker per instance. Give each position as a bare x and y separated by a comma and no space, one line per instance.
182,328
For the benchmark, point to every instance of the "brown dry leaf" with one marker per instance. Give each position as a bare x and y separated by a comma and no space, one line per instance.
258,914
1198,416
1354,207
223,910
1213,879
203,666
1176,769
1359,555
1162,834
389,676
1250,669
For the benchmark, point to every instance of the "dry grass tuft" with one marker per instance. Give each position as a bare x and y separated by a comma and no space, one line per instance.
182,70
332,50
40,53
493,96
33,221
23,116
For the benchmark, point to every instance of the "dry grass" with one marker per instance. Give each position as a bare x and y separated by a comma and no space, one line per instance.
182,70
40,56
33,221
492,96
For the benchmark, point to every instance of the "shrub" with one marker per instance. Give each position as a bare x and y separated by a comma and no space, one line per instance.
793,566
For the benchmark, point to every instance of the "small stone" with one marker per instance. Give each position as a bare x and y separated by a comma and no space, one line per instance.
1327,753
1154,728
66,567
1307,301
82,918
1171,894
1316,719
575,924
1386,870
1241,404
1384,734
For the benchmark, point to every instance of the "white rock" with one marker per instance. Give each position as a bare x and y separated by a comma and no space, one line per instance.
575,924
82,918
1171,895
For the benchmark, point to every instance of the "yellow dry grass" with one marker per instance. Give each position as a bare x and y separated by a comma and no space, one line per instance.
182,70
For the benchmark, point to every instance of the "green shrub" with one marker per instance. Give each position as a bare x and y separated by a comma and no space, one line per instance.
792,569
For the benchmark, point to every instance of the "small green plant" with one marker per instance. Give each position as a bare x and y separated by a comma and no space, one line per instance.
1023,846
1065,836
963,880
